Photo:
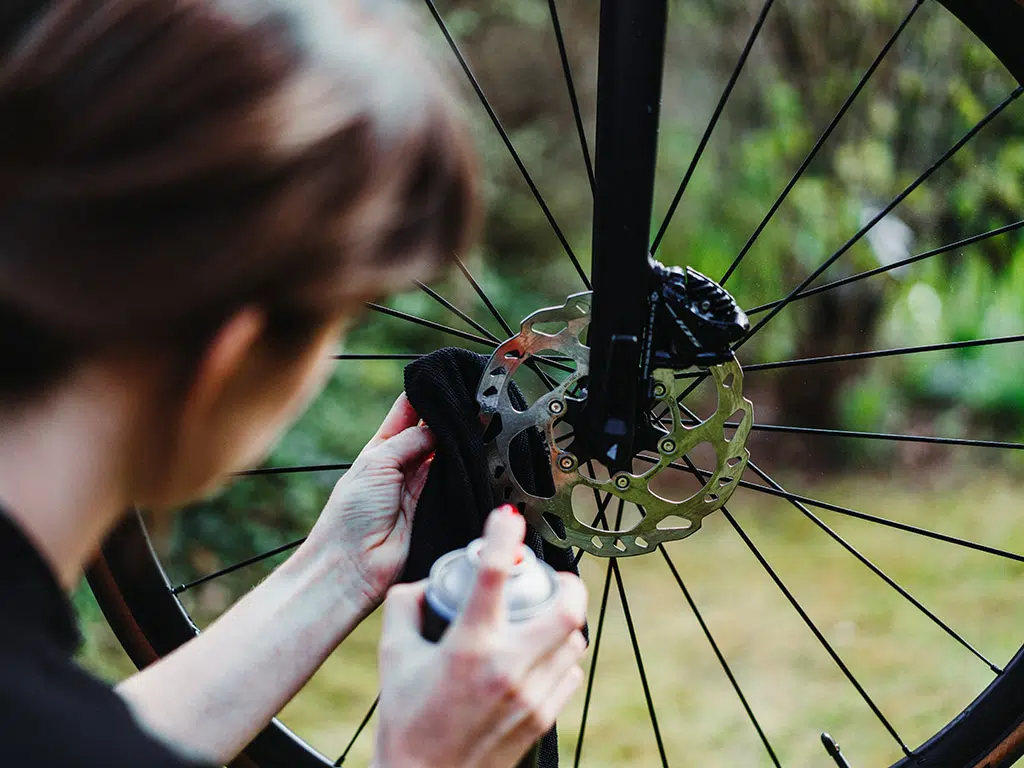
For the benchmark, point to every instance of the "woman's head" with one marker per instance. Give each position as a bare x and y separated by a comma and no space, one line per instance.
178,175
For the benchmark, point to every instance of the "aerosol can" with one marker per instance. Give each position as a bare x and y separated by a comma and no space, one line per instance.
531,589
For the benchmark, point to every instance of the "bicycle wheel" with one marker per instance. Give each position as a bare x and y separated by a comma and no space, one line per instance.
155,602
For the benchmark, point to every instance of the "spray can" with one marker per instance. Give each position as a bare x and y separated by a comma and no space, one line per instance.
531,589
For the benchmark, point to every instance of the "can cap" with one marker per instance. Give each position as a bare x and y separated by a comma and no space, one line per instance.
531,586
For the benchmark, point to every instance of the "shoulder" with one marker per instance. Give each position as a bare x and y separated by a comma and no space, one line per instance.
56,714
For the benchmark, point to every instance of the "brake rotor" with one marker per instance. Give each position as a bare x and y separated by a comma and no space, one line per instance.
662,520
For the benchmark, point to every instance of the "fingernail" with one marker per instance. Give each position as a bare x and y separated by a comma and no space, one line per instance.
508,509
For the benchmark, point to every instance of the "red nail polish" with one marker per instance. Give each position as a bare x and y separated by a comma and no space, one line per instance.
520,556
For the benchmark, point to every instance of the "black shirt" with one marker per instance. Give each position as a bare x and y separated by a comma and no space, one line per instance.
52,713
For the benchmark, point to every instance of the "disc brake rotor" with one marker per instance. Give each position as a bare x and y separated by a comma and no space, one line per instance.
662,520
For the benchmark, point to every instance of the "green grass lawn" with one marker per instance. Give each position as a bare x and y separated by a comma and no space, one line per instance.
918,675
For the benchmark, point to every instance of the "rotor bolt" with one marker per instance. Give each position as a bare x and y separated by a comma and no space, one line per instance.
566,462
668,445
556,407
660,390
622,482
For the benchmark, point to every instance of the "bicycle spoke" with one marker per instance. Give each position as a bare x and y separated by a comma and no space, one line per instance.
966,543
359,730
264,471
506,140
895,265
721,658
820,142
456,311
854,513
878,571
483,296
593,663
602,506
817,632
884,436
237,566
906,527
881,214
366,358
556,362
698,380
618,513
723,99
569,83
870,355
692,469
491,340
430,324
614,562
546,380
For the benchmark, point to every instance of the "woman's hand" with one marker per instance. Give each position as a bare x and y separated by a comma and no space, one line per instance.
484,694
365,526
207,696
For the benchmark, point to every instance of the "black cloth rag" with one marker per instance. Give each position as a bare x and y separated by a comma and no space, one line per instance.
458,494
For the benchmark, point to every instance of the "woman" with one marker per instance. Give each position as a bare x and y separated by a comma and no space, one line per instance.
196,197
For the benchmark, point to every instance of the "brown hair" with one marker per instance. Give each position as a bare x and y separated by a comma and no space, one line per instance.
164,163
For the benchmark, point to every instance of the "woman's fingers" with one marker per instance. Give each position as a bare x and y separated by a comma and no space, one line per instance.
401,416
416,480
559,696
543,677
403,615
547,631
407,448
485,609
549,670
544,693
401,437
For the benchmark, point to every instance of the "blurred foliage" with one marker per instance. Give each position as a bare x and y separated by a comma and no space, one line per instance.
934,85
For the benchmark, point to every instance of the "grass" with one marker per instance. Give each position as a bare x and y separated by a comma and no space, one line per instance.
917,675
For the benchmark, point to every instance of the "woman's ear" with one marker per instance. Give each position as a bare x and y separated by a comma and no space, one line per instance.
241,396
174,467
224,358
202,427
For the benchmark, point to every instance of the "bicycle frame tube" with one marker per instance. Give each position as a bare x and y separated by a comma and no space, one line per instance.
632,47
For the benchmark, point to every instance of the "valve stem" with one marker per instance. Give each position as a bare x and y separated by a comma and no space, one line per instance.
834,751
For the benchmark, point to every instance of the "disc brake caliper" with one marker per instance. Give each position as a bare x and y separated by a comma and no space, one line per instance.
661,519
